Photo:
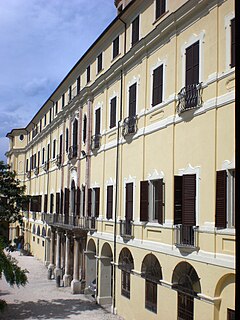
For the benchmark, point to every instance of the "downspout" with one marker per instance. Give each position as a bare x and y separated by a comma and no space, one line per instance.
117,175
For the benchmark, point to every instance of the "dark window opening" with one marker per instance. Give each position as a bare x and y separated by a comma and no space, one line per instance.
99,62
109,202
115,47
113,110
135,30
160,8
132,100
88,74
157,92
233,43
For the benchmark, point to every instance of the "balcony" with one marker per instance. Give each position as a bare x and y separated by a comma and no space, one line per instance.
95,142
36,171
46,166
72,152
186,237
190,97
59,161
129,126
126,229
71,222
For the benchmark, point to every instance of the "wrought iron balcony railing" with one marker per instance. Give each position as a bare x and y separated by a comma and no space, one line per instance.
129,126
36,171
85,223
95,142
46,166
59,160
126,229
189,97
186,236
72,152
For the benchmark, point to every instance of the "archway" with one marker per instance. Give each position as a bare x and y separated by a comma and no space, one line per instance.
187,283
126,265
106,275
91,270
152,273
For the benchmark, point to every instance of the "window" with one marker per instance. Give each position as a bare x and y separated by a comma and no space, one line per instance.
70,93
109,202
128,208
84,128
57,202
185,206
63,101
126,265
75,137
96,196
233,43
88,73
115,47
125,284
83,201
225,199
99,62
45,203
43,155
56,108
27,161
60,144
67,140
89,202
66,201
230,314
157,90
97,121
132,100
38,164
45,120
40,125
113,106
192,64
78,84
50,115
135,30
51,202
160,8
54,149
48,152
152,200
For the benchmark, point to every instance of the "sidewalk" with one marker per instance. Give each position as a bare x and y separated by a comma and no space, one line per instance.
41,299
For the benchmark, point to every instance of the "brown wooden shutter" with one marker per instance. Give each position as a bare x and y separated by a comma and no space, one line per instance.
83,197
143,200
160,7
132,100
233,43
109,202
57,202
97,121
129,201
39,203
221,200
66,201
192,64
75,133
113,113
89,202
157,85
61,202
67,140
177,199
84,128
78,200
135,30
189,200
97,201
45,203
159,200
51,202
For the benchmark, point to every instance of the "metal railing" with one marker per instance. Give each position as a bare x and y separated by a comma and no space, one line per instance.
186,236
129,126
72,152
126,228
189,97
46,166
86,223
36,171
59,160
95,142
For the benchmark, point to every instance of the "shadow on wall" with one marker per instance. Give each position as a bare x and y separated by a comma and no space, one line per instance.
43,309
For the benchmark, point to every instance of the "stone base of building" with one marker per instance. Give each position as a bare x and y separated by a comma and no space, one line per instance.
67,278
104,300
75,287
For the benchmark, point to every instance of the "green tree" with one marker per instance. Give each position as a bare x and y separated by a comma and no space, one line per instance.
12,199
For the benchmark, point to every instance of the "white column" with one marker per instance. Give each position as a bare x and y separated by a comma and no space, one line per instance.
75,284
67,276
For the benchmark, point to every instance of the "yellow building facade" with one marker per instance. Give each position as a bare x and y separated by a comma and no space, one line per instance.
131,164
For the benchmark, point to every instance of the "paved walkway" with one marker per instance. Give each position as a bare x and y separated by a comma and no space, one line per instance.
41,299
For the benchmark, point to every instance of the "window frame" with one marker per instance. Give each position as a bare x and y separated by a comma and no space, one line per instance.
99,63
110,112
227,26
88,74
161,13
135,80
153,68
114,54
133,43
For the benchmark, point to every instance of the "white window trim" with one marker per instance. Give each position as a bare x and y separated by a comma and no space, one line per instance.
99,105
130,179
191,40
194,170
227,25
140,33
155,8
109,183
130,83
154,67
114,95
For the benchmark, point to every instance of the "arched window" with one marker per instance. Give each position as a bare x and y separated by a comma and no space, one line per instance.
126,264
152,273
186,281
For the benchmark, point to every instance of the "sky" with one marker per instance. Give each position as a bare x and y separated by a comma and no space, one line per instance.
40,41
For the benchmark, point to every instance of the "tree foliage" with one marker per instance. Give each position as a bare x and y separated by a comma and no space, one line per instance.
12,199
